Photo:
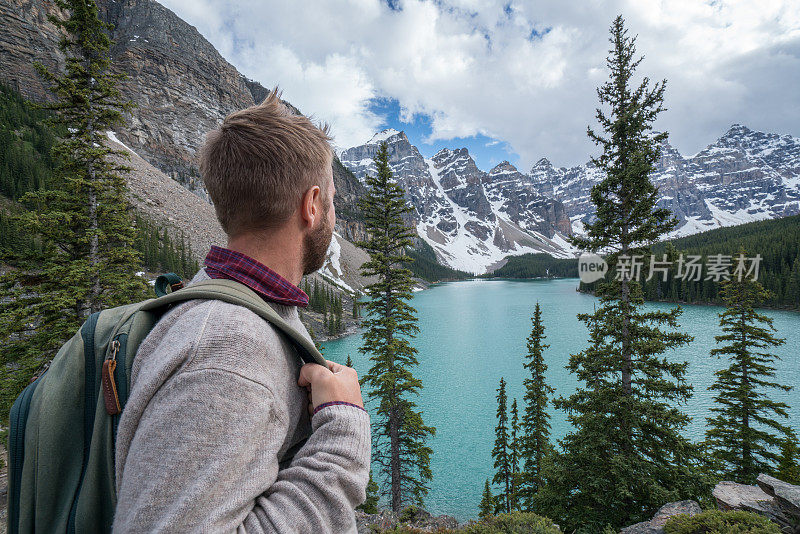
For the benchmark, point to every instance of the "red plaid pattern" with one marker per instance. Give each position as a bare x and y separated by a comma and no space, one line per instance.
224,263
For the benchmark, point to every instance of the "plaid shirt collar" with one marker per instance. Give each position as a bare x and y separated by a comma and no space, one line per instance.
224,263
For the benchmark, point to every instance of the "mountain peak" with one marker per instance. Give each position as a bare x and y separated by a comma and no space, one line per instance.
385,135
503,167
737,130
449,156
543,163
443,153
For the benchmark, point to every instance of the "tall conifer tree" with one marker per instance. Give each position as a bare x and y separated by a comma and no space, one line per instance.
399,433
502,453
486,506
744,432
370,504
88,260
789,463
535,440
626,456
515,456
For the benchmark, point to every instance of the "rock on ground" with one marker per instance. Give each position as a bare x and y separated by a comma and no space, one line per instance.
776,500
785,495
656,525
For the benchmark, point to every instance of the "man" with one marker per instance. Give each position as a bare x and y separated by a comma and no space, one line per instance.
218,395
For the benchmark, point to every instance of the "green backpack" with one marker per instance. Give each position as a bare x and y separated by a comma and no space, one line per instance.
63,425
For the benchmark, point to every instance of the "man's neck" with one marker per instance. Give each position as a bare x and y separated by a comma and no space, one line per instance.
279,251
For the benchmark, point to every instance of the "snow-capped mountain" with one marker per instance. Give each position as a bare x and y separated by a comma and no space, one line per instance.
515,196
460,210
744,176
473,219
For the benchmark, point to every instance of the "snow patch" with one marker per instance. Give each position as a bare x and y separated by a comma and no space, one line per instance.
382,136
112,136
332,268
561,242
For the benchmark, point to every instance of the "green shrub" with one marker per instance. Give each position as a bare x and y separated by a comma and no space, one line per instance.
513,523
408,513
718,522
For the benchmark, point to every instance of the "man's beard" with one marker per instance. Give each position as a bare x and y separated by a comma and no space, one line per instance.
315,246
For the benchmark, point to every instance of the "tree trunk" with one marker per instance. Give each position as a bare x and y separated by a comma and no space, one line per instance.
627,365
508,490
627,361
747,460
394,462
94,241
93,303
394,418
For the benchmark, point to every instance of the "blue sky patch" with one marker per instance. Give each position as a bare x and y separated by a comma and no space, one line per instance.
486,151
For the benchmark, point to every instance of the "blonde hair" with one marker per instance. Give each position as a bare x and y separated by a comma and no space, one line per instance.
258,164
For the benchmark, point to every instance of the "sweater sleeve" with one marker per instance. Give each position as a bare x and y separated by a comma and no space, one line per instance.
204,459
326,480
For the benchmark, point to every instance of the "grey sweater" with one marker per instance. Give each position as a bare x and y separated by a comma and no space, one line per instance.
214,405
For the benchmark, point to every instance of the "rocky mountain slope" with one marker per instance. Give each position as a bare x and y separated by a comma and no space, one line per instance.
743,176
472,219
181,85
182,88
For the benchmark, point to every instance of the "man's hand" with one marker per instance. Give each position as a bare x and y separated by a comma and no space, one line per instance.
336,383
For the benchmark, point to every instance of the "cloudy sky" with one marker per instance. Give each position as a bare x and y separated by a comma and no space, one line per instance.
511,80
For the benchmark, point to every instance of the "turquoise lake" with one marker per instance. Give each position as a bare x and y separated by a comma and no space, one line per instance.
474,332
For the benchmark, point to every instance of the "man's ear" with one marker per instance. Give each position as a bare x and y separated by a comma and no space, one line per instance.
309,210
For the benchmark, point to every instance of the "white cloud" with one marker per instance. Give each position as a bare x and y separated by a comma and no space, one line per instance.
525,74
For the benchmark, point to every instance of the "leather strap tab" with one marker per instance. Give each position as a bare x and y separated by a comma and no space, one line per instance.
110,395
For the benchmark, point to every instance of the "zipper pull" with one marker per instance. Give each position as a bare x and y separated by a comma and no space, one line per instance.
110,395
114,349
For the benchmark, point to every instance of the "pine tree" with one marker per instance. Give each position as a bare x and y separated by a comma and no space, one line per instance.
626,456
486,506
349,362
370,505
88,260
515,457
502,453
744,432
399,433
789,464
535,441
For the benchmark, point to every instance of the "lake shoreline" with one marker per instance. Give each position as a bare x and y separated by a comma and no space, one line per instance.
471,334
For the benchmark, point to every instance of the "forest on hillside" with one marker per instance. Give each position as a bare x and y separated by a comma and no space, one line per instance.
27,138
777,241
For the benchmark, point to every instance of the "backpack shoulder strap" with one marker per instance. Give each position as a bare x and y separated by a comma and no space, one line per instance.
235,293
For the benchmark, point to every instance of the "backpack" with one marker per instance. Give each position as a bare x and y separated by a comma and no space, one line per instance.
63,425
